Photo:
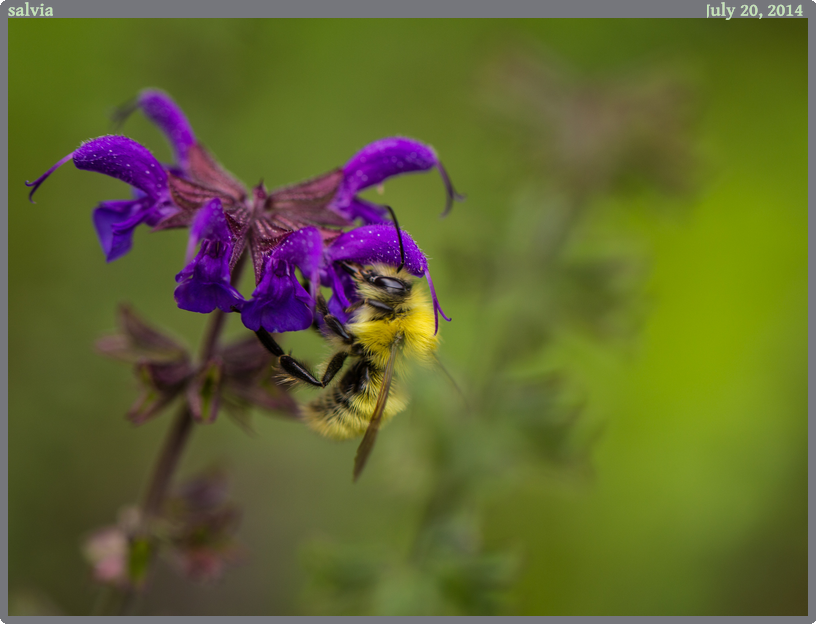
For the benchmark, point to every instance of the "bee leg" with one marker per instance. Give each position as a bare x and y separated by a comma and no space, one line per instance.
300,372
320,303
331,321
334,324
379,305
355,270
355,306
269,342
335,364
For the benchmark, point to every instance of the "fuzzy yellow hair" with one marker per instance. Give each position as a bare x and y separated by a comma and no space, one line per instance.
412,326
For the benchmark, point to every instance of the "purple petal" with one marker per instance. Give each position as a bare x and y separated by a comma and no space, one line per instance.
386,158
279,303
302,249
160,108
378,244
204,284
115,221
367,212
344,294
124,159
197,294
209,223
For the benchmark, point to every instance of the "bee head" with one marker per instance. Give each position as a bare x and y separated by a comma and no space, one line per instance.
382,278
391,285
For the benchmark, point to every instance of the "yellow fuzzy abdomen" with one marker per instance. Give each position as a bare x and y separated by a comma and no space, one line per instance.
342,417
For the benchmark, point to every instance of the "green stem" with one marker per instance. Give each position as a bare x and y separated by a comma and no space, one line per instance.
183,425
177,437
168,460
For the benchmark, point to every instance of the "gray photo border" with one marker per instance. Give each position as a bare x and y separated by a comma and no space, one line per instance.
72,9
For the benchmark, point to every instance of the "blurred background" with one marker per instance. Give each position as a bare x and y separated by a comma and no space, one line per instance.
627,281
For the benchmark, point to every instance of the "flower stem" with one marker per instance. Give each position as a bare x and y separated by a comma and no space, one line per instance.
177,438
180,431
183,425
168,460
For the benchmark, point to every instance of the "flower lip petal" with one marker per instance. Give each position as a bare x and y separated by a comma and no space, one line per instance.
291,310
196,294
280,303
124,159
114,222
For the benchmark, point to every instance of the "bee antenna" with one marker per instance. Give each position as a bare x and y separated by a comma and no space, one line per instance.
399,237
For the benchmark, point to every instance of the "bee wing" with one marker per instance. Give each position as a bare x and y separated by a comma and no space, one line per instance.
364,450
441,368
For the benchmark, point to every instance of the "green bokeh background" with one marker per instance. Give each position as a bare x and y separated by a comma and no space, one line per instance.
698,503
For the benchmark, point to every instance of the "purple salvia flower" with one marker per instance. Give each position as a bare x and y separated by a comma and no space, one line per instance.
204,284
280,303
284,230
124,159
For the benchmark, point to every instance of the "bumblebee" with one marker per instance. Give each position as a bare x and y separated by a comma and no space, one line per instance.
391,321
